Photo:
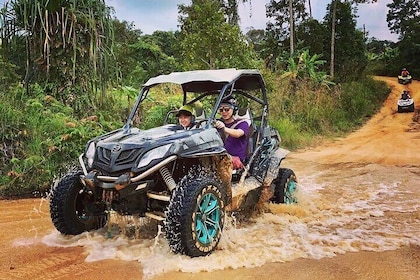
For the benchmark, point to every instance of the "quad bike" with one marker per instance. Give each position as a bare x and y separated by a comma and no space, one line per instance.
405,79
182,178
405,103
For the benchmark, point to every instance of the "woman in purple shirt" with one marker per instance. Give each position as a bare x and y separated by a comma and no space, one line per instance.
236,132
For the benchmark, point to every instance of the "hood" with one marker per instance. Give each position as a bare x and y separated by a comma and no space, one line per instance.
136,137
121,150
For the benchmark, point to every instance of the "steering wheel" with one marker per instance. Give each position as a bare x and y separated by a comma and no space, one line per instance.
199,123
221,132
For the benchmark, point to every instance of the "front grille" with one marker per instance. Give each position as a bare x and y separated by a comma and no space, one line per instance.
112,160
127,156
104,155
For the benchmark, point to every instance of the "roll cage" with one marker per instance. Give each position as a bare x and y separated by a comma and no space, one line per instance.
220,84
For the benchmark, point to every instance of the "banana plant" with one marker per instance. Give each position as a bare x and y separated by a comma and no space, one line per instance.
303,66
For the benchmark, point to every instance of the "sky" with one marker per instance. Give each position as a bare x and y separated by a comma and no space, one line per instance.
152,15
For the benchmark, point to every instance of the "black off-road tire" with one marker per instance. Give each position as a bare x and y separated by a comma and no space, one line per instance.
411,109
195,215
285,187
69,206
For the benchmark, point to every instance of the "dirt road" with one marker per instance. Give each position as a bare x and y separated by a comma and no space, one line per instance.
358,218
388,138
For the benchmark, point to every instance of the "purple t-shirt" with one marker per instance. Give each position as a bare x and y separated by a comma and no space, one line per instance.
238,146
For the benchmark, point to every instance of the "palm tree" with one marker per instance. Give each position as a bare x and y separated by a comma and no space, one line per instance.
68,42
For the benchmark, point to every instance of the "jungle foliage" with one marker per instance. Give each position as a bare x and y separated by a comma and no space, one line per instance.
209,41
64,46
71,72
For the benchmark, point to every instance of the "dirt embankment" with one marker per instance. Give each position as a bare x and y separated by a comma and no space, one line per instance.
387,146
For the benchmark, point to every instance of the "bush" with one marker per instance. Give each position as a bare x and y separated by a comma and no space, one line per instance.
360,100
302,112
40,139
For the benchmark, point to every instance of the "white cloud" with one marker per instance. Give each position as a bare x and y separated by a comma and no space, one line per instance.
373,16
253,14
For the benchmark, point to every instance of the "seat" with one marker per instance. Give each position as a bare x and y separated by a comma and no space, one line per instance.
244,114
200,114
200,117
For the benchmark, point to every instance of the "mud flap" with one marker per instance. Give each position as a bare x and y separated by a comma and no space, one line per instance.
274,165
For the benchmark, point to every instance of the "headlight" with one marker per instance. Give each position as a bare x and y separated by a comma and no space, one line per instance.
90,153
153,154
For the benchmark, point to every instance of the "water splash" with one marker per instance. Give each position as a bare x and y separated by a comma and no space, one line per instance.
335,216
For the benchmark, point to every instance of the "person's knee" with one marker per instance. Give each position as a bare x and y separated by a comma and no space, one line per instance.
237,163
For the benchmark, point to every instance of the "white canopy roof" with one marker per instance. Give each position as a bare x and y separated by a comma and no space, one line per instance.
217,76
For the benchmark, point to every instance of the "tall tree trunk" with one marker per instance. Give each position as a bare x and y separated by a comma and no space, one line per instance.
310,8
27,66
291,21
334,12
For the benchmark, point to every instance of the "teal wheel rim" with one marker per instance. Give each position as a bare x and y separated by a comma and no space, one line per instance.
207,218
290,192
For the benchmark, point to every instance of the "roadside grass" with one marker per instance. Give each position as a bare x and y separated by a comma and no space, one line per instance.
303,114
40,137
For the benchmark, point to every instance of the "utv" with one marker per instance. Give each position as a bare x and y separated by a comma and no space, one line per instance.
182,178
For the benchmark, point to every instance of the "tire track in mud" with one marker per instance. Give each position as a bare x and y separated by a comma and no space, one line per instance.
37,261
23,224
63,261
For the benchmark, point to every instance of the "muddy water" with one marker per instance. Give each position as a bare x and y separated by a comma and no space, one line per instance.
358,217
342,208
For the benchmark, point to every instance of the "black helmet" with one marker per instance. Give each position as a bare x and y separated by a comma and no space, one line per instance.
231,102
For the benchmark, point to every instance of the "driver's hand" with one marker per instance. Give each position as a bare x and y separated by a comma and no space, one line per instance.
220,124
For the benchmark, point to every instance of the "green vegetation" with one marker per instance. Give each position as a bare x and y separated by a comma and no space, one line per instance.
302,113
65,46
69,73
211,42
40,138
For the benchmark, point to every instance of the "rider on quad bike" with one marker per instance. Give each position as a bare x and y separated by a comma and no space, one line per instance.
405,103
405,72
405,77
182,178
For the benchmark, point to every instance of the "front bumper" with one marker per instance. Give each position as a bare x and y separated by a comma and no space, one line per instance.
93,178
